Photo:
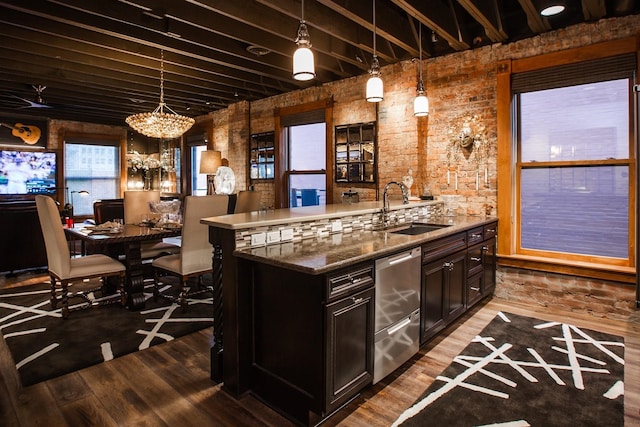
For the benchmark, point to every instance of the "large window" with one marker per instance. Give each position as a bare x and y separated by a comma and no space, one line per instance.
566,163
574,169
307,164
92,168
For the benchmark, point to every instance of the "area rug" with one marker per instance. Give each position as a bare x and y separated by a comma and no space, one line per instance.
44,346
521,371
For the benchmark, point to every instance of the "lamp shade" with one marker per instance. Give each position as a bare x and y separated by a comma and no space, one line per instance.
303,64
375,89
210,161
421,105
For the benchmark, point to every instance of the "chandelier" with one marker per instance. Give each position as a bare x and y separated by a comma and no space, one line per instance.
158,123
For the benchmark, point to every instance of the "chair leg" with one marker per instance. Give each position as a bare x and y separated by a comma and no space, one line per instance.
54,298
182,300
65,299
156,285
123,296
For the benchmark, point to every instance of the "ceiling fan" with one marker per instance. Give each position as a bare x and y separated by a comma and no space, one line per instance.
38,101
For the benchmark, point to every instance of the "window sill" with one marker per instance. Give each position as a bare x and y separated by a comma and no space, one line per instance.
626,275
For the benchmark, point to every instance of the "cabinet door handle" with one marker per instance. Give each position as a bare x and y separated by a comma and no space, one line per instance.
357,300
491,230
475,289
485,248
476,258
448,265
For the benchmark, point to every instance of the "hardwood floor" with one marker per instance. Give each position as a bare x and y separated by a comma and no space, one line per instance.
169,385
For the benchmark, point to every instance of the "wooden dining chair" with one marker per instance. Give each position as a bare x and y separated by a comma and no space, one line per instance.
195,257
247,201
136,210
63,269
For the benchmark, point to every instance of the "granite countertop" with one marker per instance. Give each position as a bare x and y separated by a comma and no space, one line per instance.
324,254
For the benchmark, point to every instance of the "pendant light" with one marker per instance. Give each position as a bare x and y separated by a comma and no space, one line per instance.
303,64
160,123
375,87
421,103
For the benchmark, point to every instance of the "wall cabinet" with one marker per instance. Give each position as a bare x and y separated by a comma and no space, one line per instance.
356,152
313,338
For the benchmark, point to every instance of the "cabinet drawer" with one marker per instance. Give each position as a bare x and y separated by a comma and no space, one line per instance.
475,235
474,261
474,289
443,247
350,280
490,230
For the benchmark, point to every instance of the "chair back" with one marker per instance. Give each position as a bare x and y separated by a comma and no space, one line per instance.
58,255
108,210
136,205
247,201
196,251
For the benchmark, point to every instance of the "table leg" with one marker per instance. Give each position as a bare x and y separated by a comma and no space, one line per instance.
134,284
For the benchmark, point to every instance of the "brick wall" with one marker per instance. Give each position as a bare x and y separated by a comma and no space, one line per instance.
462,89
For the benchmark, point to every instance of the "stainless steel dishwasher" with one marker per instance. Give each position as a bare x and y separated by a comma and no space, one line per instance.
397,322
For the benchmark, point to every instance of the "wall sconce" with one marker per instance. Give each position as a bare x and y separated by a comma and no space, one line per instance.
210,161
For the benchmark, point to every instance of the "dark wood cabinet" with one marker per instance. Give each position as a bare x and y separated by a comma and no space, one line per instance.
444,274
457,272
313,338
349,359
481,262
443,293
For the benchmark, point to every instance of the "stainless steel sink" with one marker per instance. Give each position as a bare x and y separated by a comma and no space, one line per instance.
418,228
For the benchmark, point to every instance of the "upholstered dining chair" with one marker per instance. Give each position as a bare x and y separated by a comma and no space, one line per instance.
136,210
247,201
64,269
194,259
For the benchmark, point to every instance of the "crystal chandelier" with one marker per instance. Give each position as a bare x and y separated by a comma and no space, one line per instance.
158,123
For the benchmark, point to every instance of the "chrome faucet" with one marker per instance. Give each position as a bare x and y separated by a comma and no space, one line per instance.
385,199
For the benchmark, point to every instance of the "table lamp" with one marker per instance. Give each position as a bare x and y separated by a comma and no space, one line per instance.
210,161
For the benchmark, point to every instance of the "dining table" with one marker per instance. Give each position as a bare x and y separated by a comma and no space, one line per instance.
123,244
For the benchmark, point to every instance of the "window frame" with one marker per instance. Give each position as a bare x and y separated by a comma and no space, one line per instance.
92,139
509,252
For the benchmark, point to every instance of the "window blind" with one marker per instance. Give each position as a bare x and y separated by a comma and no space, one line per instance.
610,68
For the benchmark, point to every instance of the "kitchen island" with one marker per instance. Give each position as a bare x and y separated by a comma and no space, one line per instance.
294,293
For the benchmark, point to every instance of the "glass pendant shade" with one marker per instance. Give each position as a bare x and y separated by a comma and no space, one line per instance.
421,105
375,89
303,64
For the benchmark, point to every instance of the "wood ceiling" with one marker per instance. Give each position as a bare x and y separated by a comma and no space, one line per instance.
100,60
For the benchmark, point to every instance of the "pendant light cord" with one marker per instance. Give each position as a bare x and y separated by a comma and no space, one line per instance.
162,78
374,28
420,45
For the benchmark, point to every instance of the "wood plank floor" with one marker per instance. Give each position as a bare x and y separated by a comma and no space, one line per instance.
169,385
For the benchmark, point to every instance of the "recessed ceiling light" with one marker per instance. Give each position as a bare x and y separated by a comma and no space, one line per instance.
551,10
258,50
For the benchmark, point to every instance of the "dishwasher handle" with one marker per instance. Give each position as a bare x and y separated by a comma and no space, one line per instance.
404,256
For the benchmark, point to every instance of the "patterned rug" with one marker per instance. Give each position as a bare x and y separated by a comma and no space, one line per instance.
44,346
521,371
